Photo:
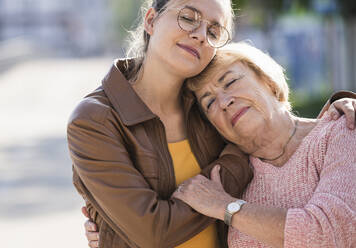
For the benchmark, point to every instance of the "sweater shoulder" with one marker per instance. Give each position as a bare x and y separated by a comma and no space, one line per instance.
331,132
329,138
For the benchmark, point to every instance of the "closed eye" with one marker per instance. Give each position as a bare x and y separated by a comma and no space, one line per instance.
212,35
187,19
229,83
210,103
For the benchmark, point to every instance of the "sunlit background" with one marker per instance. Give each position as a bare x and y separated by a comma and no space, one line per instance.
52,53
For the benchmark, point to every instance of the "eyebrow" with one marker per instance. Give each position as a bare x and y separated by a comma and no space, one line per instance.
223,76
214,22
221,79
192,8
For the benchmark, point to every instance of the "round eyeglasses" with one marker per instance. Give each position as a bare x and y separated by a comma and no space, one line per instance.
190,20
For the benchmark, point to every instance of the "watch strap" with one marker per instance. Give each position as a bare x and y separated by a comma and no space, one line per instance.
228,215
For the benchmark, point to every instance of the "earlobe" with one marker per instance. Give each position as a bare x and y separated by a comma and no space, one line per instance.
149,19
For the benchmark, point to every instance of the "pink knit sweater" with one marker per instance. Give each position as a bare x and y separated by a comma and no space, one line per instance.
318,187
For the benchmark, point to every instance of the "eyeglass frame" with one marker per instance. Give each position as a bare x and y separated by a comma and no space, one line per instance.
200,21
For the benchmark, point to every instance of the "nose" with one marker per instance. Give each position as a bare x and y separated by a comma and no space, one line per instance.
225,102
199,34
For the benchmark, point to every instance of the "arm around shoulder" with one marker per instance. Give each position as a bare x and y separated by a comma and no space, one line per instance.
334,97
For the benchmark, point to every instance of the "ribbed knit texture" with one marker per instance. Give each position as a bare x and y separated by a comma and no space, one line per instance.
318,187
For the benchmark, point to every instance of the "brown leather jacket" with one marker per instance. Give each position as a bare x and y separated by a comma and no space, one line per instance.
123,169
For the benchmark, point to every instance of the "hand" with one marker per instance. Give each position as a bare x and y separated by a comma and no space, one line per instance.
90,230
345,106
205,196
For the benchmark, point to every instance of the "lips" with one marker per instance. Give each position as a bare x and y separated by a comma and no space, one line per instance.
238,115
190,50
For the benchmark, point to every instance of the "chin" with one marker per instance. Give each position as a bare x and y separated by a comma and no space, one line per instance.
190,66
248,127
189,69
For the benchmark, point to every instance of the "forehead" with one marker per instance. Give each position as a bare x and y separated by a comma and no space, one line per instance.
213,10
219,75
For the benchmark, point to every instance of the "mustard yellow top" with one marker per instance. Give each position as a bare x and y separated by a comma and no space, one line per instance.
186,166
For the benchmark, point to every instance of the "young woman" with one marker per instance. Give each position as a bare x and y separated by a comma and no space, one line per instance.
134,139
131,143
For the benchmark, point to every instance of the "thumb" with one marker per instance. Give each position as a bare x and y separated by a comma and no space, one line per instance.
85,212
215,174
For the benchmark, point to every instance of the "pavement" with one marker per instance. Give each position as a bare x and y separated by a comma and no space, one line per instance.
39,207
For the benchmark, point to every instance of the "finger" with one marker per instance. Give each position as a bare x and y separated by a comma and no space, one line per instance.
93,244
90,226
350,115
175,194
85,212
178,195
333,113
215,174
92,236
179,189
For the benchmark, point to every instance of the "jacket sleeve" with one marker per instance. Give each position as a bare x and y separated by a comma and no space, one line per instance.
125,200
336,96
235,174
235,171
329,218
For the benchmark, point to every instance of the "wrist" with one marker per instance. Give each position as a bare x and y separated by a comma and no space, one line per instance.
231,209
223,206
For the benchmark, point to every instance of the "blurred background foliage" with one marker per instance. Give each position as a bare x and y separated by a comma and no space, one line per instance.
318,60
314,40
268,13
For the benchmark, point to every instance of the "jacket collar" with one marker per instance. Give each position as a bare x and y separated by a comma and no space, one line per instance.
130,107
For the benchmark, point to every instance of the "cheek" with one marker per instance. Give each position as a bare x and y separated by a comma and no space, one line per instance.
208,54
255,98
219,122
166,28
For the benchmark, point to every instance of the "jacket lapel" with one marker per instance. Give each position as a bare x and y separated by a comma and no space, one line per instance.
131,109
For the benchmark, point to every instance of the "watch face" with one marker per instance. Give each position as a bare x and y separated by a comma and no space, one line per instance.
233,207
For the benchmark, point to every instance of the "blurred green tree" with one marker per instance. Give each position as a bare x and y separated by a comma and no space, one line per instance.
124,17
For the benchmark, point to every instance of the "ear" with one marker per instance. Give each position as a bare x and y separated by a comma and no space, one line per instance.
149,20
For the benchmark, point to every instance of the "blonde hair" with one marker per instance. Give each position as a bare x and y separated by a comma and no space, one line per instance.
139,39
266,68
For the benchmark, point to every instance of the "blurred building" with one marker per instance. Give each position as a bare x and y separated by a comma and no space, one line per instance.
311,48
73,27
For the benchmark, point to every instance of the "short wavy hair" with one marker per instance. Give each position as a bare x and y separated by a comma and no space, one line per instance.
266,68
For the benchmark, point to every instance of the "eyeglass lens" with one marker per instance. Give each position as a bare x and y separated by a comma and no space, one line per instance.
190,20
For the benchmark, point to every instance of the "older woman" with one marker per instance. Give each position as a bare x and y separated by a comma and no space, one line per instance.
303,193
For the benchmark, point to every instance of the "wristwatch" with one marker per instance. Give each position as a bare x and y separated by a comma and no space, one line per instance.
231,209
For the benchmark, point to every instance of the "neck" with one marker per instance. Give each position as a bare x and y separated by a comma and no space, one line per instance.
281,140
159,87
